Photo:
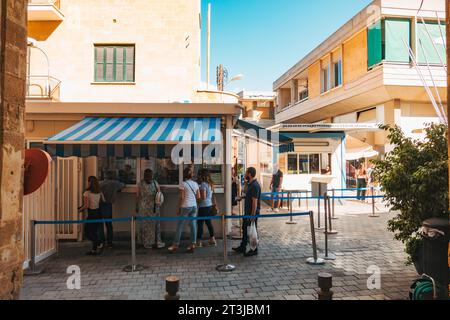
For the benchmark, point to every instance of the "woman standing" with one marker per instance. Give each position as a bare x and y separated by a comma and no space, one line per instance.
361,183
189,194
149,232
205,207
92,198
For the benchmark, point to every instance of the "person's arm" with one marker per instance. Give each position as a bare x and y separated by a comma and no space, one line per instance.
203,193
254,205
281,184
85,205
181,199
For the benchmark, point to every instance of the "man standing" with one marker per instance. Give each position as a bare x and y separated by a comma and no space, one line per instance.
252,208
110,187
275,188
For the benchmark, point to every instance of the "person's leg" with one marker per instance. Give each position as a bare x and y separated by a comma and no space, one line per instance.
245,225
358,192
209,223
107,214
180,226
201,213
363,193
159,242
193,223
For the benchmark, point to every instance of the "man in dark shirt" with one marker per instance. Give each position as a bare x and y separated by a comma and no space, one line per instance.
252,207
275,188
110,187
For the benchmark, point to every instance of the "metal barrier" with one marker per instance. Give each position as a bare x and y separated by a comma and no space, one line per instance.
134,267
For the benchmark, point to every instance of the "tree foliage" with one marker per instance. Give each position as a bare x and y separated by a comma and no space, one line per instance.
414,178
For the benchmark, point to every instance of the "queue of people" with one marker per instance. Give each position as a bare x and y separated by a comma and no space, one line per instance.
364,180
196,198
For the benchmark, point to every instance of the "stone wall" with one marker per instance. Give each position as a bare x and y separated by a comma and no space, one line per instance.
13,36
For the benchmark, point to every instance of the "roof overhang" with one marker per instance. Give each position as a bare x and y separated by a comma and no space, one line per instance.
327,127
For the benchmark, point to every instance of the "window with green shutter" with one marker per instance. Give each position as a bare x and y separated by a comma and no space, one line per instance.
114,63
375,52
396,32
430,43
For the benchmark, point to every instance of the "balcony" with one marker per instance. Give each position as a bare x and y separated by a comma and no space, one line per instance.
43,87
45,10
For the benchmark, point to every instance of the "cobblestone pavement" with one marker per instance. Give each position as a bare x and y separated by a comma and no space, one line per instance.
278,272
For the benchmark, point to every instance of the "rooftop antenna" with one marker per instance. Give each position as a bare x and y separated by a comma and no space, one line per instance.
208,46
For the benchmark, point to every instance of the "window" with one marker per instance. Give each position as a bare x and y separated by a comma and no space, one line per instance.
303,95
114,63
337,73
386,41
125,169
314,163
292,163
325,78
431,43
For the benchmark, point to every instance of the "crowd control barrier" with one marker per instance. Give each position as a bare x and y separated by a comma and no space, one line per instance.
134,266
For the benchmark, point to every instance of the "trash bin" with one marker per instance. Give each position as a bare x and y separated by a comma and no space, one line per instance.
435,232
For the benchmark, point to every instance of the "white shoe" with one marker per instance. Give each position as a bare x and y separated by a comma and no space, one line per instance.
161,245
276,210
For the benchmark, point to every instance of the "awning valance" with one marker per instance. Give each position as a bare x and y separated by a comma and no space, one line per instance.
132,137
261,134
140,131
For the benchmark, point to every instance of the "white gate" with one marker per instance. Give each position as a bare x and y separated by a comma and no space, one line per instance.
40,206
68,196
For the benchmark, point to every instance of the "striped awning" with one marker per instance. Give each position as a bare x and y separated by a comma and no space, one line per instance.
132,137
140,131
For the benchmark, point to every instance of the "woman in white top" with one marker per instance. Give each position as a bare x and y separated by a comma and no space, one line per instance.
92,198
189,194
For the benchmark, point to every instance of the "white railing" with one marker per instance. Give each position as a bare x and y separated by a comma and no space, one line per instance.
42,87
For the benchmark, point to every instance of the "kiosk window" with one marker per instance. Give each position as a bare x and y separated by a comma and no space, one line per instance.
125,169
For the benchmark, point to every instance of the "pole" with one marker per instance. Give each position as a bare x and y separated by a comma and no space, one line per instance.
32,269
327,256
208,46
133,267
225,267
374,215
291,220
328,203
314,260
334,205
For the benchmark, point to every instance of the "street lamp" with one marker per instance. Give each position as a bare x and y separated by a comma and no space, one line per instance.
32,44
237,77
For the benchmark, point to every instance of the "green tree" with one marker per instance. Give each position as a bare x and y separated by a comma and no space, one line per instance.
414,178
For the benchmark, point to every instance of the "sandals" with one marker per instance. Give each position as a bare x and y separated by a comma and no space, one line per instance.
191,248
173,249
212,242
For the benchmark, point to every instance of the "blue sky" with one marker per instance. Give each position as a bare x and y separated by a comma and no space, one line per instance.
263,38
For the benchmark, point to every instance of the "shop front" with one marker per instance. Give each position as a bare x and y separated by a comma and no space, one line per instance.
128,146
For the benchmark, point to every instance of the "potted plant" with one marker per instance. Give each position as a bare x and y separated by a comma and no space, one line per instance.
414,178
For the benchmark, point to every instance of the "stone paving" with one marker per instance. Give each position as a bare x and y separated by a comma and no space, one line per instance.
279,272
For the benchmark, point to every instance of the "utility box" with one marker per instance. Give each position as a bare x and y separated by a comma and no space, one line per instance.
319,185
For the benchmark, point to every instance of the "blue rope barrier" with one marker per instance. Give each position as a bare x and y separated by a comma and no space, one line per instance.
59,222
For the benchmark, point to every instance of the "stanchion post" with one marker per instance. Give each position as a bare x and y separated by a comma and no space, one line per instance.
325,282
133,267
315,260
172,287
330,225
225,267
290,203
333,193
32,269
318,213
374,215
327,255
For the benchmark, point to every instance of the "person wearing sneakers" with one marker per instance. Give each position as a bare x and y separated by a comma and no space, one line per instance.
205,207
275,187
189,194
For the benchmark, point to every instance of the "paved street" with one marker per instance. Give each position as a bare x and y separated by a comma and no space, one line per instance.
279,272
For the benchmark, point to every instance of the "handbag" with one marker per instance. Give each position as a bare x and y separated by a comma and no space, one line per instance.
252,237
159,196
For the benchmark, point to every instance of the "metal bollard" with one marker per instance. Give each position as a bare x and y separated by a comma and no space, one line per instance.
374,215
172,287
318,214
291,220
225,267
325,282
314,260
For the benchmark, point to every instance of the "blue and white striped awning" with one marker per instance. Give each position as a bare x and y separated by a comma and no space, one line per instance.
140,131
132,137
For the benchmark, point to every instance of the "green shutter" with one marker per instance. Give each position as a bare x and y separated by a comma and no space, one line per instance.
118,64
432,53
374,44
397,32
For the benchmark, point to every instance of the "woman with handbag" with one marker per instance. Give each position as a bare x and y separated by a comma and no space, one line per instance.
189,195
148,190
92,199
207,207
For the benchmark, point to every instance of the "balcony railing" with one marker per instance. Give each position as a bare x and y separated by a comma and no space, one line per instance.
56,3
43,87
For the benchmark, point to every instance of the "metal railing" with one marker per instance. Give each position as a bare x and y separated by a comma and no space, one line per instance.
42,87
